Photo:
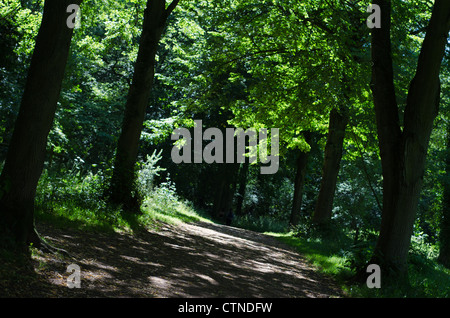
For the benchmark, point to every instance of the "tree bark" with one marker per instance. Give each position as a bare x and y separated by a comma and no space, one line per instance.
333,154
302,162
444,238
26,153
403,153
226,186
122,188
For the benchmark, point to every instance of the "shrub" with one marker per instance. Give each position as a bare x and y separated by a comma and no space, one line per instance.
146,174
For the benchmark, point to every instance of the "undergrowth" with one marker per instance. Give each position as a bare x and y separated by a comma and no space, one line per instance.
76,199
341,257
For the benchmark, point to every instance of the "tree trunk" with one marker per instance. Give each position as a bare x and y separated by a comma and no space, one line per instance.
226,186
333,154
122,188
302,162
403,154
243,176
26,154
444,250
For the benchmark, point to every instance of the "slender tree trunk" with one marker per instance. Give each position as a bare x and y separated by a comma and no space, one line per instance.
26,154
333,154
219,194
403,154
243,175
226,186
122,183
444,251
302,162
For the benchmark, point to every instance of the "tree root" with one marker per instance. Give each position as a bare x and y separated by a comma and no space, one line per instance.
39,243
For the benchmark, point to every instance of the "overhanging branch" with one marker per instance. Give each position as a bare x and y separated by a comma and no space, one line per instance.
171,7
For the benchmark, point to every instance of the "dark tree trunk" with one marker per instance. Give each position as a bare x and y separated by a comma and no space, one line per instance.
26,154
243,175
403,153
226,186
122,183
444,250
302,162
333,154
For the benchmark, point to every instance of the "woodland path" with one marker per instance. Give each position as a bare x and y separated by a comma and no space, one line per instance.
187,260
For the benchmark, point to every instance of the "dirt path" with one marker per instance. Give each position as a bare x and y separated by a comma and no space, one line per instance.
189,260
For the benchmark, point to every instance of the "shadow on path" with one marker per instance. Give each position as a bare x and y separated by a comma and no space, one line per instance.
189,260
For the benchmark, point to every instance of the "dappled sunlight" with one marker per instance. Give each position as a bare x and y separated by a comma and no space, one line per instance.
189,260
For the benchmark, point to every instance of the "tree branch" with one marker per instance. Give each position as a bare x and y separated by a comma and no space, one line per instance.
170,8
382,83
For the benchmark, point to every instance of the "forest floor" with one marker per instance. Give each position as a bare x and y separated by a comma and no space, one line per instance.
187,260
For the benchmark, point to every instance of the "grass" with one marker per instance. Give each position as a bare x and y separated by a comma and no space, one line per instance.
166,207
69,214
326,255
427,278
77,202
108,218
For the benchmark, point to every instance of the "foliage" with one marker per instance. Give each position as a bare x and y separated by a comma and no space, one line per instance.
262,223
238,63
341,260
147,173
18,28
76,200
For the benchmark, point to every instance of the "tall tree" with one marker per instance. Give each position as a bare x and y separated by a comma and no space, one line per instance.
122,183
403,151
335,57
26,152
299,181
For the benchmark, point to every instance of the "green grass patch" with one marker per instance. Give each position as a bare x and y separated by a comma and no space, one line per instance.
338,258
76,201
327,256
164,206
69,214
